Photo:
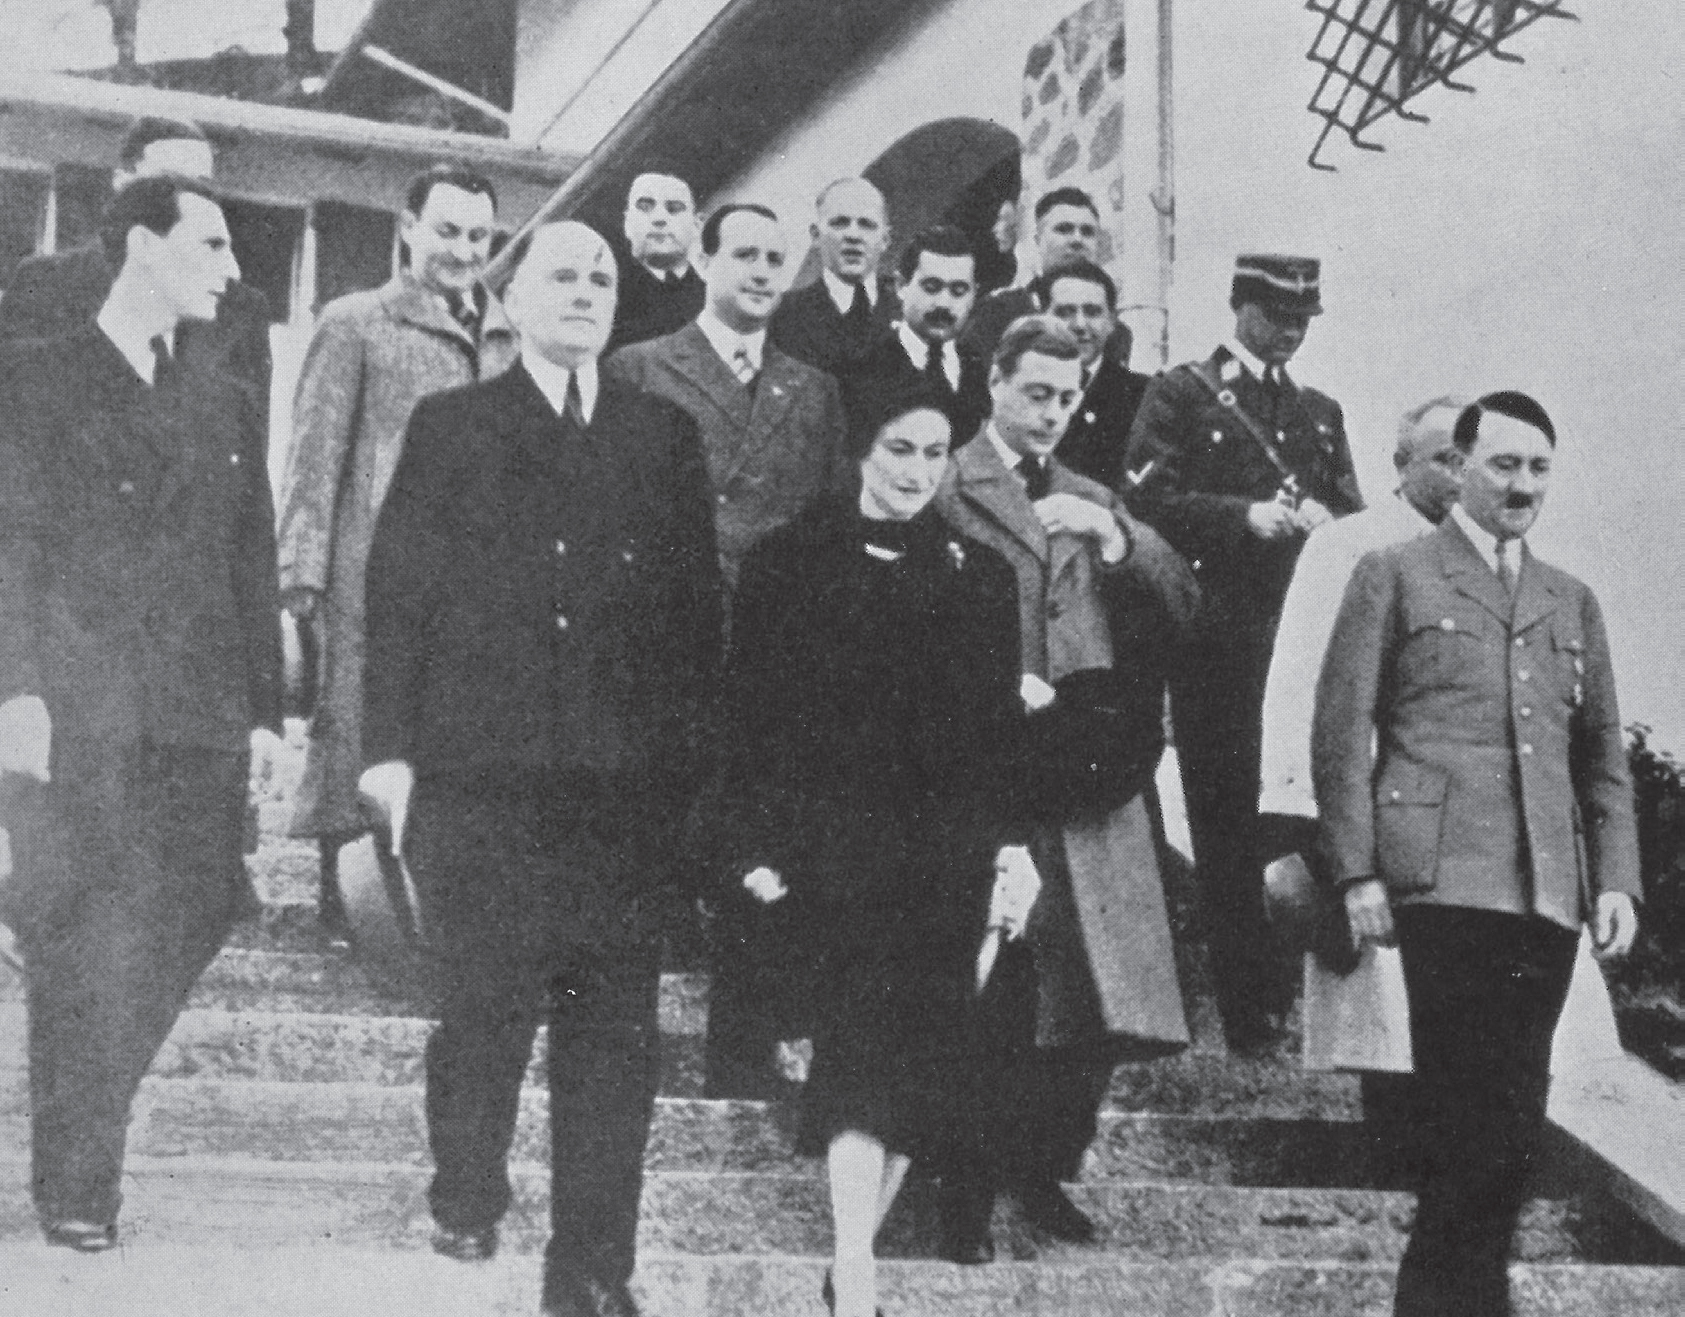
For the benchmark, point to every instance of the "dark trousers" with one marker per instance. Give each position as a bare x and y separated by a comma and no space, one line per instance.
127,881
1485,992
1216,705
759,994
530,897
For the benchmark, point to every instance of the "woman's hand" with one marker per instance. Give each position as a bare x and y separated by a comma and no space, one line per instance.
1017,885
765,885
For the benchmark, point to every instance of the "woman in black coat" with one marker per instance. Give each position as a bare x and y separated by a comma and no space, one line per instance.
876,749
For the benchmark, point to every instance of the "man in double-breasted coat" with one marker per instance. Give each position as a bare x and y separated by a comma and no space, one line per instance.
1100,931
374,355
773,432
140,674
1234,463
544,632
1475,803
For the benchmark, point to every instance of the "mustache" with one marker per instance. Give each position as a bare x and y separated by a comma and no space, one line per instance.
1518,502
939,317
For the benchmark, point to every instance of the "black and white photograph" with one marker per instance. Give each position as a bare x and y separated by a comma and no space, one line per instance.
887,658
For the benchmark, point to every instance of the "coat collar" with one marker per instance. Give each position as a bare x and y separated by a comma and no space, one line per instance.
982,480
759,418
408,302
1536,595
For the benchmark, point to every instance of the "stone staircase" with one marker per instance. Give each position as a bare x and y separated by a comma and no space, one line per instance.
278,1165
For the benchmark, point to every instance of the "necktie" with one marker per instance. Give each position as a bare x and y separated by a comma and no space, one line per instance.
163,364
743,366
1506,571
465,312
935,368
1034,471
573,406
859,317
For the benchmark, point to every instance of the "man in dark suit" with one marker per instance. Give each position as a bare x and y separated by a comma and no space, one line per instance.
773,427
1083,298
775,439
1067,231
140,666
56,294
544,631
849,308
938,289
1472,785
1235,463
660,290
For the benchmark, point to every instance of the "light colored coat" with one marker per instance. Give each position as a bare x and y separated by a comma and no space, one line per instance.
374,355
1467,748
1100,930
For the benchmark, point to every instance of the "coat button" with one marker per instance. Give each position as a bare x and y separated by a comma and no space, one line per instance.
720,499
234,459
1522,675
1521,642
561,622
561,548
1395,795
625,555
1446,624
1526,747
1526,710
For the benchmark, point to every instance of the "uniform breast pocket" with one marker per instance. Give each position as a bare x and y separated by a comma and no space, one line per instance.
1568,666
1448,650
1409,812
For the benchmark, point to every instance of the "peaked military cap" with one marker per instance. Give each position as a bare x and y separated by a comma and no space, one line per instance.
1285,283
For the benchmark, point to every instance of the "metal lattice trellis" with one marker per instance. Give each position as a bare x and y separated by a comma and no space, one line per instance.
1377,54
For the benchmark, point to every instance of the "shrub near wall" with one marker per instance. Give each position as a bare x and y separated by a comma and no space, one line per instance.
1649,986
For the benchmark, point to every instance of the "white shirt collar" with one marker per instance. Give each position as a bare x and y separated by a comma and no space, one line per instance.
663,276
132,340
1243,355
842,292
726,340
918,352
1485,543
1009,457
552,381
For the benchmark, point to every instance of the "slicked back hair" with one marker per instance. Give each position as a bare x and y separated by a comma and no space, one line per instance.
1084,271
711,229
938,240
1039,334
450,174
1506,402
153,203
1065,196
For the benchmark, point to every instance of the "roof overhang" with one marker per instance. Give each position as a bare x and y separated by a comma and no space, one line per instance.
265,152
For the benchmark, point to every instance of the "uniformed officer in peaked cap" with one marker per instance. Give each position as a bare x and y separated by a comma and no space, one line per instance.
1234,462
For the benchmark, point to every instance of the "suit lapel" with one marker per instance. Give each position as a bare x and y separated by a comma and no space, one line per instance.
1469,573
774,391
693,357
414,305
987,485
1535,599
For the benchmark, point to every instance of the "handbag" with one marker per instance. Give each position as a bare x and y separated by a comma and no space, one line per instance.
384,912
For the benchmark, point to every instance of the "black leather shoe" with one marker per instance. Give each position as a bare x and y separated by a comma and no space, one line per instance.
574,1294
828,1294
965,1211
465,1245
1048,1209
83,1236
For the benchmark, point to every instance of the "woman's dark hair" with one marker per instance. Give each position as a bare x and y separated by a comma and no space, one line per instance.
873,412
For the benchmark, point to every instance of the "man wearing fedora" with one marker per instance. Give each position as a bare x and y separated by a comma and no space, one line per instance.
1234,462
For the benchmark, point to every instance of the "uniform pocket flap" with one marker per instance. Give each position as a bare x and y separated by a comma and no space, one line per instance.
1405,783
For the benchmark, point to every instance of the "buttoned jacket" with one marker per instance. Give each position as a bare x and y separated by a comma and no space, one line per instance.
374,355
1467,747
1098,435
1193,471
771,448
808,326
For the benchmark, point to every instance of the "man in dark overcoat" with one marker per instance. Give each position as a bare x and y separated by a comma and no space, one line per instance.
1475,805
1234,462
1096,590
660,290
544,632
140,665
51,295
844,313
938,272
1083,298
